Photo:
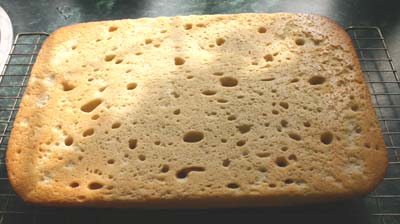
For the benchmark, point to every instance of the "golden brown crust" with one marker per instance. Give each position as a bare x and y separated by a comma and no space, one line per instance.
298,126
377,165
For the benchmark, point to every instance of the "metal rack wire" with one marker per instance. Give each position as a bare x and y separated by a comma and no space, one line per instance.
381,206
384,86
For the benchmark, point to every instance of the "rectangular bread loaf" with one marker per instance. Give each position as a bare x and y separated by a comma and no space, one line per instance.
196,111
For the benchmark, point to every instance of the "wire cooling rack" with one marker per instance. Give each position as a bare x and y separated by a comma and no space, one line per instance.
381,206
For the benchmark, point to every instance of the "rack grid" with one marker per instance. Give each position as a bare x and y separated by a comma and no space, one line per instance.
381,206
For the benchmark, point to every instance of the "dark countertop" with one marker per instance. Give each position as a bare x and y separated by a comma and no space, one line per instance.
44,15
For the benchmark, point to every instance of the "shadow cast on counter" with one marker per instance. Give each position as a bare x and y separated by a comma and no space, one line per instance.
352,211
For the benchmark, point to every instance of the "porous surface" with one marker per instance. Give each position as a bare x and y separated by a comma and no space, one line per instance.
196,111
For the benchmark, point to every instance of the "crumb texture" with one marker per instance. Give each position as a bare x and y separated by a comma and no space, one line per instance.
222,110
